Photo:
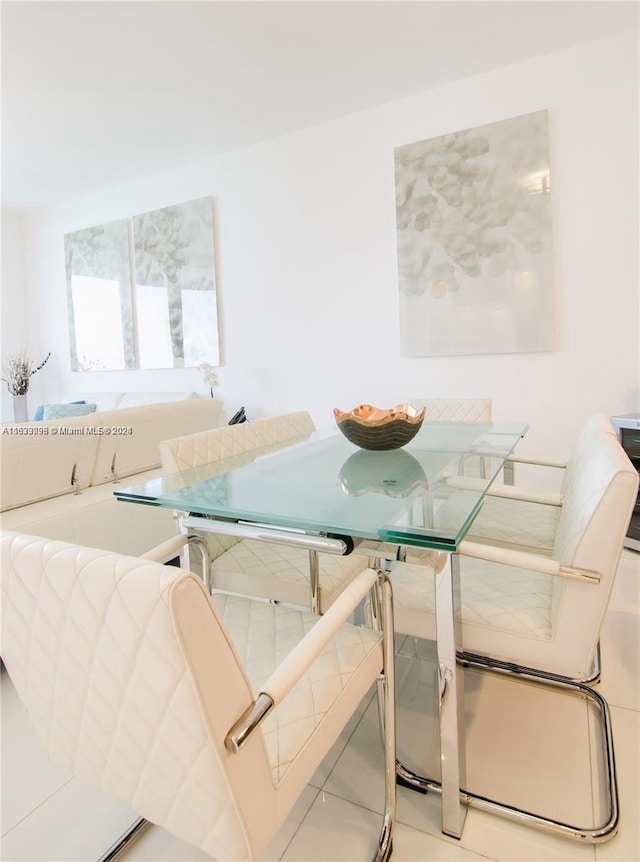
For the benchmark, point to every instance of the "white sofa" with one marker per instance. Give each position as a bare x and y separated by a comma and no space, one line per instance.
120,400
57,477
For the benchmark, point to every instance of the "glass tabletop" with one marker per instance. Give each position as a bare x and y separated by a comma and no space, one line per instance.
425,494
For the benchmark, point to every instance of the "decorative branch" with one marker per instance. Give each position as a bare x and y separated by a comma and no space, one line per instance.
18,372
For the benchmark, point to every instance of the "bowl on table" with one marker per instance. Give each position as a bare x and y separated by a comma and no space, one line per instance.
373,428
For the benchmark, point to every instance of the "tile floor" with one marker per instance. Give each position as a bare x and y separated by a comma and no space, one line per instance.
542,761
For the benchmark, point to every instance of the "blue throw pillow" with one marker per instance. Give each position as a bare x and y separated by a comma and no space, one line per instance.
38,416
65,411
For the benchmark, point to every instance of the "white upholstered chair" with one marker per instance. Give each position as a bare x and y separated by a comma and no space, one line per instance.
455,409
475,410
262,569
534,614
521,519
207,715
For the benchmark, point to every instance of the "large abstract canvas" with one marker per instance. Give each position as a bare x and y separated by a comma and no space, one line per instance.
171,294
474,240
99,297
175,292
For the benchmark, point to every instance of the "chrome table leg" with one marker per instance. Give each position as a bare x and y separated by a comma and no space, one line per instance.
451,701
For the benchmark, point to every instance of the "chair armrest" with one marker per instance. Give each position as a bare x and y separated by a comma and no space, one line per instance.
166,550
511,492
299,660
536,462
524,560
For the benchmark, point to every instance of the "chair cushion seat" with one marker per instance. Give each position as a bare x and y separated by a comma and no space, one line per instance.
263,634
495,597
281,572
529,526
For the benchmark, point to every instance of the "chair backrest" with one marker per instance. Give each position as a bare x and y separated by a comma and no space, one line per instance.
599,495
235,445
131,683
455,409
594,429
258,437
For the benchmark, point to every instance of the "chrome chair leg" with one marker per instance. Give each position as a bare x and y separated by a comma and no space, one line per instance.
593,678
590,835
127,838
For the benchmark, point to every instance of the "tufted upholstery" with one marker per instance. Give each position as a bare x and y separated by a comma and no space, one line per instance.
132,681
532,526
529,526
516,613
263,634
259,569
455,409
258,437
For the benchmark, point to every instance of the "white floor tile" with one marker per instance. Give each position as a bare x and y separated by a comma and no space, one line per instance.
625,595
343,832
28,777
322,772
626,735
529,745
526,744
505,841
289,829
158,845
77,824
358,777
620,659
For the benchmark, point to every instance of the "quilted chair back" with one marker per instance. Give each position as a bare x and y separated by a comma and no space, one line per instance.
455,409
257,437
594,429
131,684
235,445
599,495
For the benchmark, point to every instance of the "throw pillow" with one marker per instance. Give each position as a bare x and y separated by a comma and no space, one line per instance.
38,416
64,411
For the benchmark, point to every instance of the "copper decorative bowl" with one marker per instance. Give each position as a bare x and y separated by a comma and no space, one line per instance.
371,428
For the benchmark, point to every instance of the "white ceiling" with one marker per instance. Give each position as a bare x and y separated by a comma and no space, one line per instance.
95,94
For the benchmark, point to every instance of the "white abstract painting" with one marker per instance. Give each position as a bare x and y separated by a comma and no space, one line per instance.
175,290
474,241
99,298
171,294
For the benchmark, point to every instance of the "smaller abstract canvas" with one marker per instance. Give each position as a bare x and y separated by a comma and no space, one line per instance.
99,298
175,290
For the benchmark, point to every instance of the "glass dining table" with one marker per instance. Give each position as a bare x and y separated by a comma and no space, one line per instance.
325,494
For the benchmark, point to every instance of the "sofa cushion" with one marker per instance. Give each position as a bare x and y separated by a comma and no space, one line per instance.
96,519
132,443
40,459
104,400
140,399
64,411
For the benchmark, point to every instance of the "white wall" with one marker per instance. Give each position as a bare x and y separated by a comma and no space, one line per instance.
15,322
306,257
